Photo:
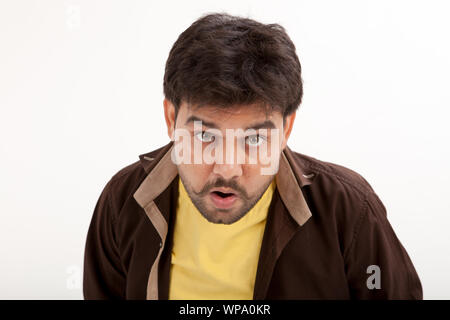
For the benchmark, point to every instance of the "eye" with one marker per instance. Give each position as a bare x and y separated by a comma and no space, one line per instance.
204,136
254,140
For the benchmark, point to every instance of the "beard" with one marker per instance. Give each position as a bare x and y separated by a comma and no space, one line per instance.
243,204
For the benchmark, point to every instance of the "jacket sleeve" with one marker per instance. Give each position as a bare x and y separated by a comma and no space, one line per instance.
377,265
103,276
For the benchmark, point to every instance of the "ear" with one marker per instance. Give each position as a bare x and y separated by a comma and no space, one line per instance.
288,128
169,115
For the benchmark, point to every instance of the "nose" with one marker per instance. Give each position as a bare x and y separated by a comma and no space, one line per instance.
228,171
229,165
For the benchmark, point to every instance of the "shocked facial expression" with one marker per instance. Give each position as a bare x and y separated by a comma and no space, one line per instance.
230,155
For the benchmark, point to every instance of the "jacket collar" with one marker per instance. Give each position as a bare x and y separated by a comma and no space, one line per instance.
290,178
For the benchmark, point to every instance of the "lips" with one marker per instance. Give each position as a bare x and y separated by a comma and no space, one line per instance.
223,198
223,190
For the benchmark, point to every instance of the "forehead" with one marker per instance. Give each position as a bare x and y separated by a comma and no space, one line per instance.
239,116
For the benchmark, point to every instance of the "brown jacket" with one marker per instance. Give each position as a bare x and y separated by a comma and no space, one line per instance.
325,227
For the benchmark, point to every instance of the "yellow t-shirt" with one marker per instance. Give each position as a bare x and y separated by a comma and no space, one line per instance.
216,261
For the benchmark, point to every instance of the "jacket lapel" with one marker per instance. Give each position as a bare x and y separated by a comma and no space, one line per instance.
160,177
288,211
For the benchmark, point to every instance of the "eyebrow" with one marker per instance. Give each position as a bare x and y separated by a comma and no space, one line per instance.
268,124
206,123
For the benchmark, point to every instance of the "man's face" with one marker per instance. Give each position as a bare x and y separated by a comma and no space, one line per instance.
225,188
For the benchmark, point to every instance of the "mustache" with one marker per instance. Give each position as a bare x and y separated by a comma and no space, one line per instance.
219,183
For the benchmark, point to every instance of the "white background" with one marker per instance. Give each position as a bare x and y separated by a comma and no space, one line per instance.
81,97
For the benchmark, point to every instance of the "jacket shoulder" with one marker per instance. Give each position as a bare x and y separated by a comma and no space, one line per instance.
123,184
127,176
132,175
334,174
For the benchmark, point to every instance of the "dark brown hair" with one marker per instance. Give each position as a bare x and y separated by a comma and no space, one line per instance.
224,60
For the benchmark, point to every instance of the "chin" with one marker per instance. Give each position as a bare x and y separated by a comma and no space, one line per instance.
228,217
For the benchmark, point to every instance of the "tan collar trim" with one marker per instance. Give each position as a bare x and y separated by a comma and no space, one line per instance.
290,191
288,186
157,180
298,168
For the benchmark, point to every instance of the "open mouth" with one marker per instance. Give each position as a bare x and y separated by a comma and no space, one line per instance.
222,194
223,200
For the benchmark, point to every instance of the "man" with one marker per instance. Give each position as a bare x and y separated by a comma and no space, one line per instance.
226,210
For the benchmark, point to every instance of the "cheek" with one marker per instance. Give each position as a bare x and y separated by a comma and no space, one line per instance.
196,174
253,180
251,177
